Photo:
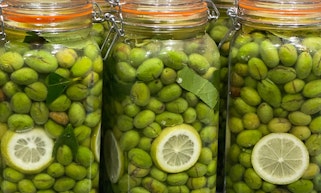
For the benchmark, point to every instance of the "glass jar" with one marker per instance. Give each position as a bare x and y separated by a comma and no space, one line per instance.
50,104
161,99
220,32
273,116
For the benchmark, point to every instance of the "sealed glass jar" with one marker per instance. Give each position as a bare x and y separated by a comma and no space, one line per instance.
274,118
220,31
161,99
50,97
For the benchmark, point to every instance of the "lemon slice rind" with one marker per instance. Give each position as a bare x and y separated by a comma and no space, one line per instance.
114,158
96,141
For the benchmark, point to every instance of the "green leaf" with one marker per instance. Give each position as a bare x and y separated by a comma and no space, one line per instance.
56,86
216,82
67,138
201,87
33,37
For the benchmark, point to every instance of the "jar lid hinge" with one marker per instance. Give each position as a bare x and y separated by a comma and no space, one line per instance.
213,12
97,13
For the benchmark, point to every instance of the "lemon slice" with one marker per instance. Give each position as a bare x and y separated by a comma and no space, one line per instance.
113,156
280,158
95,142
177,148
29,152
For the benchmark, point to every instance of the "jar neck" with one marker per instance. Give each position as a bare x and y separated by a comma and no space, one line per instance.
164,16
32,37
134,32
291,34
47,16
282,13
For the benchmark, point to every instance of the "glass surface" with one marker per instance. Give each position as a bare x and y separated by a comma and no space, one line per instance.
47,16
161,95
220,31
299,13
153,90
165,15
50,106
272,141
40,4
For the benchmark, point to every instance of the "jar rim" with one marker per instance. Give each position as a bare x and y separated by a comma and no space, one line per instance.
162,16
282,7
14,15
47,16
127,9
281,12
45,4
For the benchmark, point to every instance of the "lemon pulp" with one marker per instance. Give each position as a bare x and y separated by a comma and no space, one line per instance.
280,158
29,152
177,148
113,156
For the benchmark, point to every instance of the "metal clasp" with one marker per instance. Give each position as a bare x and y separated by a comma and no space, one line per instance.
97,15
232,12
116,27
213,12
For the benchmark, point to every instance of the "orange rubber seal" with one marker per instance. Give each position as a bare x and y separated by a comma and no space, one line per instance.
25,18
